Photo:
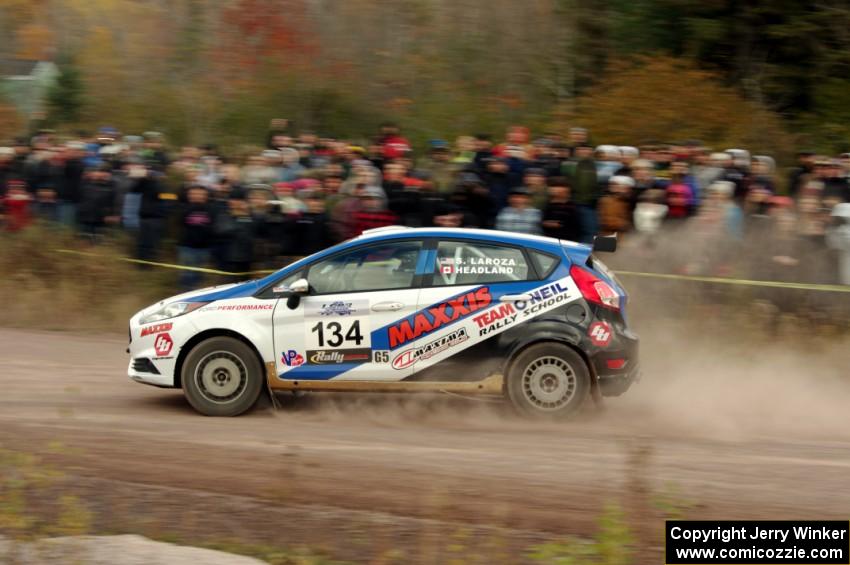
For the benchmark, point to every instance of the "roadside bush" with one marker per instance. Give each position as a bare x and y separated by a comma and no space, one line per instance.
52,280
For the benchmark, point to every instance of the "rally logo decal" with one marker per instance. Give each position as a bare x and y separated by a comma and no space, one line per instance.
600,334
442,314
338,356
337,308
410,356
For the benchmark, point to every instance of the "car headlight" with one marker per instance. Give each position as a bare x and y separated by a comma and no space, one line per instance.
171,311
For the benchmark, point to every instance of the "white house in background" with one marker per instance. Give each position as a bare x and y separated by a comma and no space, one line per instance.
24,83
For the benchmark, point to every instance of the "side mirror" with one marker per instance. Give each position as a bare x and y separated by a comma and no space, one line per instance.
293,292
605,244
301,286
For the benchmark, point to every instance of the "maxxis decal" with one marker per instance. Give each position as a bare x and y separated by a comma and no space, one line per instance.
437,316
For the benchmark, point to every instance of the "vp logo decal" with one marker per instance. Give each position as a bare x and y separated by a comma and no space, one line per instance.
291,358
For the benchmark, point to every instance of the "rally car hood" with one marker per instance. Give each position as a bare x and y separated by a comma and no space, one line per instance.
208,294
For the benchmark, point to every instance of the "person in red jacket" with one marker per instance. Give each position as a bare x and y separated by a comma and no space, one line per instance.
393,145
373,211
16,206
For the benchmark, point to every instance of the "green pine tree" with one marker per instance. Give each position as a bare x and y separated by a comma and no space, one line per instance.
65,98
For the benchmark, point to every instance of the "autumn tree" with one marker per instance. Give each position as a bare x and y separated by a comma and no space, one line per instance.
670,99
10,121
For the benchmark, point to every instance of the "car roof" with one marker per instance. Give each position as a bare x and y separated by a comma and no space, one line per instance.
399,232
390,233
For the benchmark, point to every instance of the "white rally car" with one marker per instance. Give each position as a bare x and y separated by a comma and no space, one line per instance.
538,320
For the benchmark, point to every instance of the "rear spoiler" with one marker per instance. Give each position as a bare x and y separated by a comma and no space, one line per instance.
604,243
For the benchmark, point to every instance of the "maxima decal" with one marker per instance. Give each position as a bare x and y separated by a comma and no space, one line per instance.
409,356
437,316
337,356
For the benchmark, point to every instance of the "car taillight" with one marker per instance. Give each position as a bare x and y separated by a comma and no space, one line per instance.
594,289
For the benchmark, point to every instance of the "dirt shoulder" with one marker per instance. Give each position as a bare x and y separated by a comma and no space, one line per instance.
399,471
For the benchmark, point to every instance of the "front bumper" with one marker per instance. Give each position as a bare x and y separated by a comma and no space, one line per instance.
146,377
154,362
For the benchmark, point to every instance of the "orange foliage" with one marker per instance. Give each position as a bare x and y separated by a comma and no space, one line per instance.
11,123
669,99
256,32
34,41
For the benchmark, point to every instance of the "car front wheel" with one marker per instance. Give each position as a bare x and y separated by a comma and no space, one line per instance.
548,380
222,377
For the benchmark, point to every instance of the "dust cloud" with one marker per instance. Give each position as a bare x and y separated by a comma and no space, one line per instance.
727,383
716,373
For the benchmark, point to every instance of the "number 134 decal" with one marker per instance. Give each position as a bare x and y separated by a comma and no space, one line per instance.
338,333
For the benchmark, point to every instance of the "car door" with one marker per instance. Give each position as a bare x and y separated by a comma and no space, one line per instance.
472,290
338,330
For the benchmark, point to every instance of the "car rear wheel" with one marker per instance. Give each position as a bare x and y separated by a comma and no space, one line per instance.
222,377
548,380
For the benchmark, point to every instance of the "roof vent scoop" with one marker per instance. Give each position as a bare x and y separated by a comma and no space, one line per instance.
605,243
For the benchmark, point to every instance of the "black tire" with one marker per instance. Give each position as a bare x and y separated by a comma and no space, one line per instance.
222,377
548,380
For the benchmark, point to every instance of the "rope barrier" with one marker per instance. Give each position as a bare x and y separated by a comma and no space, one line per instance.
692,278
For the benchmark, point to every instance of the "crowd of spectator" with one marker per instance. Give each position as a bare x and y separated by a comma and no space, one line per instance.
304,192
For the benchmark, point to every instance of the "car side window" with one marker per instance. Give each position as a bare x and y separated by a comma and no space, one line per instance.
378,267
544,263
471,262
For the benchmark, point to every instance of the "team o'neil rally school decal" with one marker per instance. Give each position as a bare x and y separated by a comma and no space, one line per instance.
481,305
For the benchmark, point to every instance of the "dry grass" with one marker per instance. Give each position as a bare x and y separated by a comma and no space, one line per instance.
46,289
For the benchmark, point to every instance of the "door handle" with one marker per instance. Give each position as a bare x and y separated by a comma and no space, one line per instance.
387,306
515,297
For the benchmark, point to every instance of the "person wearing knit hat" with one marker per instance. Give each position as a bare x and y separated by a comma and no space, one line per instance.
607,162
615,207
519,216
560,216
720,207
438,164
373,211
291,169
628,155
